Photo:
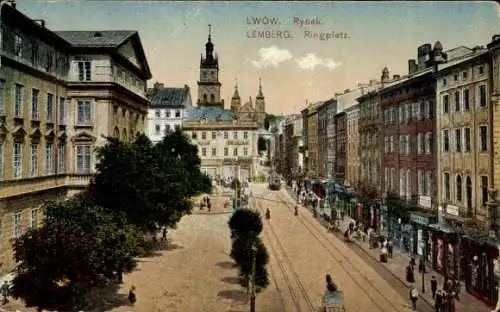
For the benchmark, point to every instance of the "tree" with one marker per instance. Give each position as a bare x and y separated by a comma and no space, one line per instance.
79,246
261,144
245,222
246,225
268,120
150,184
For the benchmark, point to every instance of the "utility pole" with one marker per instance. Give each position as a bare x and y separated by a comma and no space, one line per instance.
252,295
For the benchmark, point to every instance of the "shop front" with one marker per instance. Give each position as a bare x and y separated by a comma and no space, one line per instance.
480,278
444,253
421,244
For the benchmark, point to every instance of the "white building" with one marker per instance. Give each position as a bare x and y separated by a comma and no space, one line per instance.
167,111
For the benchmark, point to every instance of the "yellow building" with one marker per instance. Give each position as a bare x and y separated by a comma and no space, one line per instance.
463,126
57,100
494,52
353,152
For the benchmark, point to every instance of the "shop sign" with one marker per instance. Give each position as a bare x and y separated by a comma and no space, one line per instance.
452,210
425,201
415,218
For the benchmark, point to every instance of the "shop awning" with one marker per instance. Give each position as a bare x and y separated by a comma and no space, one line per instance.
442,228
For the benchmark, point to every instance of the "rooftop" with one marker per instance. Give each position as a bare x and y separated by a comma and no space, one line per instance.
210,113
98,38
170,97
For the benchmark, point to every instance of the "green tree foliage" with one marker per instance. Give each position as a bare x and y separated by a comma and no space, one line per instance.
93,237
245,226
150,184
245,222
79,245
269,120
261,144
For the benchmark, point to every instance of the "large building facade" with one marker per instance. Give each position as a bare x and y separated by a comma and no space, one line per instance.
462,110
331,111
340,146
322,140
226,139
312,140
57,98
167,110
353,151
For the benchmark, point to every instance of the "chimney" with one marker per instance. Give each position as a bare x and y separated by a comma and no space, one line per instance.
424,55
373,82
40,22
158,86
347,91
412,66
394,77
186,87
385,75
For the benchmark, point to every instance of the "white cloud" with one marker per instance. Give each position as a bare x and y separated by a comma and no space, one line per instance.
271,56
310,61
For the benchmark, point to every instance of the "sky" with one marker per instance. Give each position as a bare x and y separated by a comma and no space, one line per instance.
298,67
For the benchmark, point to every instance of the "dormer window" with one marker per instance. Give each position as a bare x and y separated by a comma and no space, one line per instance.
18,45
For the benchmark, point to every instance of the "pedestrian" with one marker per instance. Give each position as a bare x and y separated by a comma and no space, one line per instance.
413,297
131,295
164,234
5,290
410,277
439,301
389,247
434,284
209,204
457,289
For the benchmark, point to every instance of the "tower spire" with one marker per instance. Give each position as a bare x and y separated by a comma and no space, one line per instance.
236,94
209,32
260,95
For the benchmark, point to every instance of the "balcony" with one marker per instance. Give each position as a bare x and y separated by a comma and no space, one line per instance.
30,185
78,180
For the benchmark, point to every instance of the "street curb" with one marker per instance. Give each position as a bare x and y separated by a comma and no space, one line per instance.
209,213
338,234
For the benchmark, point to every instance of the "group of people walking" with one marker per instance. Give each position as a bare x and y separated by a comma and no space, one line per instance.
444,297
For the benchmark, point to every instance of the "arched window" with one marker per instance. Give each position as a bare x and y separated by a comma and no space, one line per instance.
212,98
116,133
468,195
458,188
204,97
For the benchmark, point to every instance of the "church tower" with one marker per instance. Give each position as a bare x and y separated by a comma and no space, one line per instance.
209,85
260,106
235,100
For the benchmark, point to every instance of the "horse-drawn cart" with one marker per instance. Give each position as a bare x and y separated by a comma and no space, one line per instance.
333,301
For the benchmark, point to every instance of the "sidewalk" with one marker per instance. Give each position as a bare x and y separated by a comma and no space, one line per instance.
397,266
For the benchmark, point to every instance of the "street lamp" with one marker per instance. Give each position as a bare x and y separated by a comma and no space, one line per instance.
252,296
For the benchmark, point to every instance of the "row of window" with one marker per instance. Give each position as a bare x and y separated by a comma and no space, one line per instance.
168,128
168,113
425,180
460,138
405,112
235,136
226,152
461,100
459,182
83,156
17,222
465,75
424,143
45,58
36,104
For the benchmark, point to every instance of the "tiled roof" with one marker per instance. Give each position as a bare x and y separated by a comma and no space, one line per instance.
170,97
98,38
211,113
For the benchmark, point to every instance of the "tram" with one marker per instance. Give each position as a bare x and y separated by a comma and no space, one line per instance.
274,182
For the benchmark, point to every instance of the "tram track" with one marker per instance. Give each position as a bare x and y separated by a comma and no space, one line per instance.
286,267
341,259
